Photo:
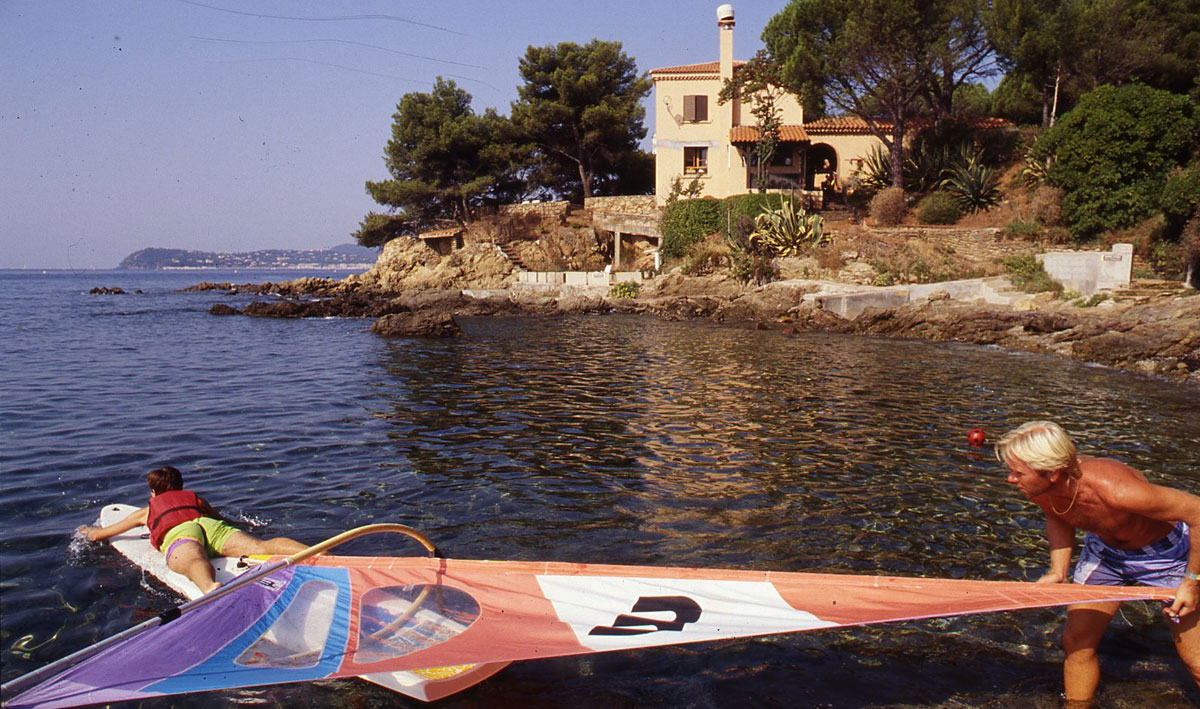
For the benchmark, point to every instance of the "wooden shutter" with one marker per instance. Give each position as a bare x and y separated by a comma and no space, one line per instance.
695,108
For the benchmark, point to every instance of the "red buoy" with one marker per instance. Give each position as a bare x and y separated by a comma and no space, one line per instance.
976,437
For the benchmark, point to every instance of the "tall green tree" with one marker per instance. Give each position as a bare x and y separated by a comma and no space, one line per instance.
885,61
444,160
581,107
1038,41
1066,48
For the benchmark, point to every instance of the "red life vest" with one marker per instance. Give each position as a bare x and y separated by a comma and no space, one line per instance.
169,509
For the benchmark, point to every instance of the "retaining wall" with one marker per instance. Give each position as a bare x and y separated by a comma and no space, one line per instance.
851,305
1088,272
623,204
551,210
553,279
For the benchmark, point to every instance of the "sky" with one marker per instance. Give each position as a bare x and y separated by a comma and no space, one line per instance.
238,125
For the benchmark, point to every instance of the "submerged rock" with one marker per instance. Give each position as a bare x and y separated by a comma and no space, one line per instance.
99,290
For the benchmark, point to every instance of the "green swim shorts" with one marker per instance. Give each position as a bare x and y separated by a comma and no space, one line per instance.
212,533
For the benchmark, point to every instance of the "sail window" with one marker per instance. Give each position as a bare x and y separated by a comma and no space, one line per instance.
399,620
297,637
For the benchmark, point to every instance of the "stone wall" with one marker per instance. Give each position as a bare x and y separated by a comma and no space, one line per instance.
986,244
546,210
622,204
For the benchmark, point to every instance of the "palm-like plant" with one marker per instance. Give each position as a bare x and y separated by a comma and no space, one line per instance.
875,172
971,183
786,231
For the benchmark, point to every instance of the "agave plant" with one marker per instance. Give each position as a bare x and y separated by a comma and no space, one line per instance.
786,231
875,172
971,183
1035,170
926,166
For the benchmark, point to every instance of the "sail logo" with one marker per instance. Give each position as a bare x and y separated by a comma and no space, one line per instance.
617,612
684,609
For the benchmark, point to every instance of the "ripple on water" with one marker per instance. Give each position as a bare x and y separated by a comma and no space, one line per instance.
606,439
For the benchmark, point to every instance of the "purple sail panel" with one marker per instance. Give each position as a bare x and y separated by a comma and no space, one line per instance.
123,672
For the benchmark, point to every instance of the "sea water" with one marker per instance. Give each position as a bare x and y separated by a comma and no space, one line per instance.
613,439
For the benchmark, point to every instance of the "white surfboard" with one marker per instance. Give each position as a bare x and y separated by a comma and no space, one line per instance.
426,685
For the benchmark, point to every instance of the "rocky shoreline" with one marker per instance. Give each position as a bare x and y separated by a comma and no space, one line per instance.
1156,334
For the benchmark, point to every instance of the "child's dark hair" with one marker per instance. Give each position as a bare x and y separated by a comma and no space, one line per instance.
164,479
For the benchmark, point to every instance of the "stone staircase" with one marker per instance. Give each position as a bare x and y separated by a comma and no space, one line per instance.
509,248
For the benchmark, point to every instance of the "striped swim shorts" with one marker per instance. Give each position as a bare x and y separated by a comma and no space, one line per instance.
1159,564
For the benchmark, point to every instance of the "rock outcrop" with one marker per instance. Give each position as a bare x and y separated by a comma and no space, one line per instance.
1157,335
418,324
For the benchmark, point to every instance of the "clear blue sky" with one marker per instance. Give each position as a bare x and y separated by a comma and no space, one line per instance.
236,125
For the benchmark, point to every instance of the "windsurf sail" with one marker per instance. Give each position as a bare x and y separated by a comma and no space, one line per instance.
338,616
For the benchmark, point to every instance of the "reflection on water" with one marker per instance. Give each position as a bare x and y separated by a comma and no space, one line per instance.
594,439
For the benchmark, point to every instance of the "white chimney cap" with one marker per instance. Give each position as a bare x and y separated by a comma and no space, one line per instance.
724,13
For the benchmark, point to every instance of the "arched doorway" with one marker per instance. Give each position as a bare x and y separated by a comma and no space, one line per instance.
822,161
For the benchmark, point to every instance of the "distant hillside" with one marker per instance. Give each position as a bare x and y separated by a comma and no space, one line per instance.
343,256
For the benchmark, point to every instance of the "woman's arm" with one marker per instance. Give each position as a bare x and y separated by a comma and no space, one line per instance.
135,519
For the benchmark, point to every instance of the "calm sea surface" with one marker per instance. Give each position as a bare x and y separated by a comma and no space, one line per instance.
593,439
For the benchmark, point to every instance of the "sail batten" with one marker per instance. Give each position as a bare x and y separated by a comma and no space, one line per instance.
332,616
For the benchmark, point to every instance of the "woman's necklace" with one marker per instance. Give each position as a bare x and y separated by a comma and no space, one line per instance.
1068,506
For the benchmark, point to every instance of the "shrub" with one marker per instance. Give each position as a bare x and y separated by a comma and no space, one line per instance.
687,222
938,208
625,289
748,267
1180,197
1112,153
1021,229
705,257
1047,205
1189,247
889,207
1028,274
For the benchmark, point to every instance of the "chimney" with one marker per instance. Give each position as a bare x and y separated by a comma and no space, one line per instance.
725,23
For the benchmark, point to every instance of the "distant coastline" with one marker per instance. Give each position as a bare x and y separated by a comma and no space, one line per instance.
346,256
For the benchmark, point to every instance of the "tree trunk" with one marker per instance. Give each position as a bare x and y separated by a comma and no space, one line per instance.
1045,105
1057,81
896,156
585,179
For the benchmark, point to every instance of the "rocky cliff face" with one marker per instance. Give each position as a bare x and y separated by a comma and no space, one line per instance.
409,264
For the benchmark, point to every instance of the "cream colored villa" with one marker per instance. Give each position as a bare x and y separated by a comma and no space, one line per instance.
694,137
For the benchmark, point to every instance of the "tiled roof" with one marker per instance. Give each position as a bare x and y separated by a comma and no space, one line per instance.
853,125
749,134
705,68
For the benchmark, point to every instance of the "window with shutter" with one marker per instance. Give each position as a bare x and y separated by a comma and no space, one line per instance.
695,108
